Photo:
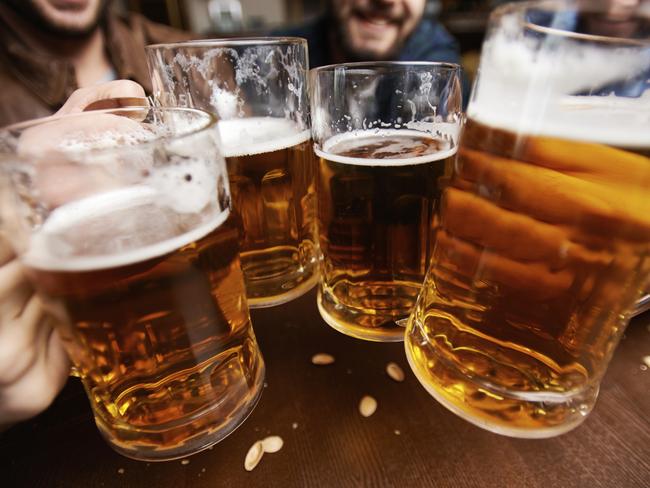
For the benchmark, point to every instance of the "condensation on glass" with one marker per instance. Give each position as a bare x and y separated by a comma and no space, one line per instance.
123,222
257,89
385,135
542,248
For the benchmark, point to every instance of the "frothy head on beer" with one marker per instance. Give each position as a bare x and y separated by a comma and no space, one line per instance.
113,229
108,183
544,82
257,135
389,147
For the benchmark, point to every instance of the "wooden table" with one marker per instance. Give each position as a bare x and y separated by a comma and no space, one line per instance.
409,441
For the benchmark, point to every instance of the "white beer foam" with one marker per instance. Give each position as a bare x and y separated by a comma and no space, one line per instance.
529,90
226,103
104,140
194,177
89,131
446,130
48,252
257,135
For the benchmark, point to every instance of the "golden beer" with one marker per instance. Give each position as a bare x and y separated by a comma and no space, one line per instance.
543,245
257,88
378,192
544,230
160,334
271,168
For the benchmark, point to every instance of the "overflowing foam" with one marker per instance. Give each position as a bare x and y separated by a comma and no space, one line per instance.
112,229
444,134
538,89
257,135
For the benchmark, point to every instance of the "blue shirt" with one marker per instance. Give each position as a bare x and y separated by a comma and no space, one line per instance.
430,41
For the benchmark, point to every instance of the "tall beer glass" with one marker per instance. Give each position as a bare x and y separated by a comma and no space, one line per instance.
385,134
544,233
122,221
257,89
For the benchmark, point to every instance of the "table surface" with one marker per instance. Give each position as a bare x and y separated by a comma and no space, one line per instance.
409,441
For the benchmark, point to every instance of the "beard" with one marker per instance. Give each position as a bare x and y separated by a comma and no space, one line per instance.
30,12
354,53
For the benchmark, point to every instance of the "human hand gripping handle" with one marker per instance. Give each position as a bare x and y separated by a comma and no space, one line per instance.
33,364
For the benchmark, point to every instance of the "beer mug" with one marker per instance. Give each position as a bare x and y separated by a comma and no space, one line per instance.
257,89
385,134
122,221
542,248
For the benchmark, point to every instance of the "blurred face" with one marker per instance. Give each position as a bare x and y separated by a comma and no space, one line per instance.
74,17
618,18
376,29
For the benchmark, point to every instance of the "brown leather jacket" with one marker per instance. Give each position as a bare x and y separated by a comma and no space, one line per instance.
35,83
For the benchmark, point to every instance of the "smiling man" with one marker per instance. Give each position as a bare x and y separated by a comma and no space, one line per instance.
49,48
372,30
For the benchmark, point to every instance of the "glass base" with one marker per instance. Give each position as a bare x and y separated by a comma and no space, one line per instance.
215,431
521,415
278,275
348,321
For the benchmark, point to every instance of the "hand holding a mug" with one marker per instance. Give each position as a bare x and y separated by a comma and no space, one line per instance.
33,364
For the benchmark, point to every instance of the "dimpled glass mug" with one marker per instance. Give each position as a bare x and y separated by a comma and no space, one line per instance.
385,134
257,89
122,221
544,234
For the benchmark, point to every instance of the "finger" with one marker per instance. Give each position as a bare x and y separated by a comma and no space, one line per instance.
121,102
557,198
14,292
6,252
37,388
21,341
585,160
57,361
81,98
534,280
589,161
515,235
58,176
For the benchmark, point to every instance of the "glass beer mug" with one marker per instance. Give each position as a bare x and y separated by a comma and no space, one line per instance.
122,222
257,88
385,134
544,234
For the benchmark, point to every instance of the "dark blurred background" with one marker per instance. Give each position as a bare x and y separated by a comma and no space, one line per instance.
465,19
237,17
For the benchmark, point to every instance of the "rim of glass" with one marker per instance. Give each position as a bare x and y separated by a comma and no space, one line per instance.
210,122
229,42
442,65
564,6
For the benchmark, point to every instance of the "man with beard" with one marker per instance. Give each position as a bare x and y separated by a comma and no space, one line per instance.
49,48
375,30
